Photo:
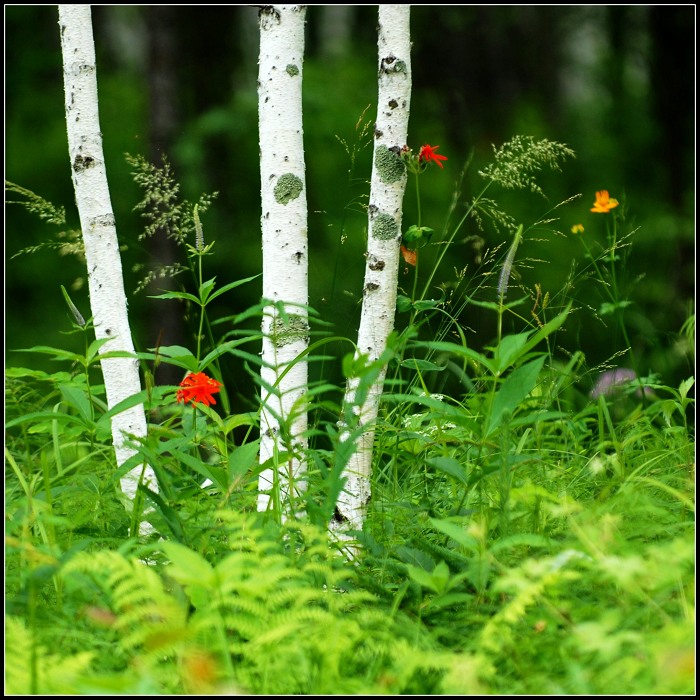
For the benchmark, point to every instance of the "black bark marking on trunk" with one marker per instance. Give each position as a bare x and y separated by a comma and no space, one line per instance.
83,163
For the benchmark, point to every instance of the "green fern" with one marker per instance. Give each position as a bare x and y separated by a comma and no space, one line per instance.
31,670
277,613
149,619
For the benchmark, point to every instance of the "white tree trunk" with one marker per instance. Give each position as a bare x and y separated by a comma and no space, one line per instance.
285,326
107,297
384,238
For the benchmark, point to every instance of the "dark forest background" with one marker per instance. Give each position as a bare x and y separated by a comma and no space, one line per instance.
616,84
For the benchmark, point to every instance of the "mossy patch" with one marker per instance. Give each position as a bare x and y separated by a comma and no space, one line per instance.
384,227
288,330
288,187
292,69
389,165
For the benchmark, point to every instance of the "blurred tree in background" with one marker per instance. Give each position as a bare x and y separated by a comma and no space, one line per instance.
616,84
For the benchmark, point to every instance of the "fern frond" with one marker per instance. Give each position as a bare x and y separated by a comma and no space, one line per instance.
148,617
31,670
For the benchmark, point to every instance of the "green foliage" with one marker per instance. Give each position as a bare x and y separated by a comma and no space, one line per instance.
161,205
66,243
165,211
32,670
518,161
564,571
277,611
37,205
522,538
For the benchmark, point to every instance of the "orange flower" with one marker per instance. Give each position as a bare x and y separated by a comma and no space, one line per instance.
409,256
201,671
198,388
603,202
427,153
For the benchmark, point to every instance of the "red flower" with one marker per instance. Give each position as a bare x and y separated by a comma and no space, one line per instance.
427,153
198,388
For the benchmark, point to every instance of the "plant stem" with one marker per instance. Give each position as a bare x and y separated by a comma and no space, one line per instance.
452,236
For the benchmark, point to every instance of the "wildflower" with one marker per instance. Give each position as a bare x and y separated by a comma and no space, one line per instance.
427,153
200,670
198,388
198,230
100,616
577,228
613,382
603,202
78,317
409,256
504,277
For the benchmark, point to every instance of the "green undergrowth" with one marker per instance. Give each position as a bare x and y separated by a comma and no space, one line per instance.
552,554
531,528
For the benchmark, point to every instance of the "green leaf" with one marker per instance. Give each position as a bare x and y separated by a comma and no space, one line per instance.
457,533
173,355
449,466
441,577
57,354
40,416
77,316
170,515
436,580
523,540
206,289
607,308
216,475
114,353
420,576
239,419
509,350
458,350
495,306
187,566
176,295
175,351
685,387
231,286
415,233
77,398
21,372
415,557
229,346
142,397
425,304
519,383
95,346
517,350
403,304
242,459
422,365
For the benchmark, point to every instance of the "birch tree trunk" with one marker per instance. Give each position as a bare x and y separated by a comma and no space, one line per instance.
285,326
106,285
384,237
